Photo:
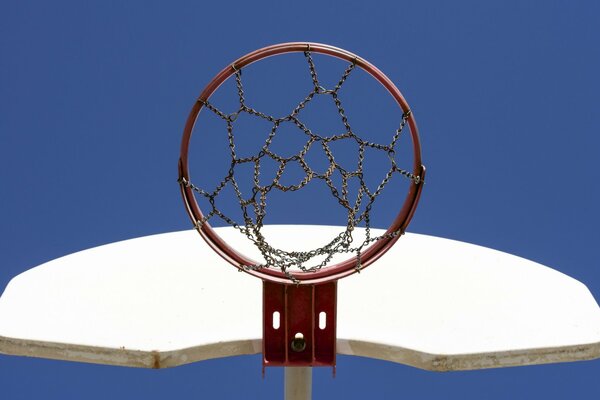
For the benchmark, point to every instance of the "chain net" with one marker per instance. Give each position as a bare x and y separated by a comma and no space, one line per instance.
254,207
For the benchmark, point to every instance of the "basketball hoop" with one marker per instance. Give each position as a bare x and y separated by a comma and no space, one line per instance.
299,296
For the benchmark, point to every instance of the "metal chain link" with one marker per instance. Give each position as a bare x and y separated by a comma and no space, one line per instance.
257,202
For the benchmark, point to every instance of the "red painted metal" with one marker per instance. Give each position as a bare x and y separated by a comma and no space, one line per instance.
299,308
343,268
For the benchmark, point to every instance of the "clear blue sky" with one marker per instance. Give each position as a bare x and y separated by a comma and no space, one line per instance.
93,100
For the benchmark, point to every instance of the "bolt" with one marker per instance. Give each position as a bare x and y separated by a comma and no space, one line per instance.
298,343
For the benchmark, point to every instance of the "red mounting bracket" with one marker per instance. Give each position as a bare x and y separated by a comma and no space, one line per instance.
299,324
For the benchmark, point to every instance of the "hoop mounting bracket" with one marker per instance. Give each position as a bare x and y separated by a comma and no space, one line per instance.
299,324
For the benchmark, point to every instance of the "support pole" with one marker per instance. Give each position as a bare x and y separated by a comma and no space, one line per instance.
298,383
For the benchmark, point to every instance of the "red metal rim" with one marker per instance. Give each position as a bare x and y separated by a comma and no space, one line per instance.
343,268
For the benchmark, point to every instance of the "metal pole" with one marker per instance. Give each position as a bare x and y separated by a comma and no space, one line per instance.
298,383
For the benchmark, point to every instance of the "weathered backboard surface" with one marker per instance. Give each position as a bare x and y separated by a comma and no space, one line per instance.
166,300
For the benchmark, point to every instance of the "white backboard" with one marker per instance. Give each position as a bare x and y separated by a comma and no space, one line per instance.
166,300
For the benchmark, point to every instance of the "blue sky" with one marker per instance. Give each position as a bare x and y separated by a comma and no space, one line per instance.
94,96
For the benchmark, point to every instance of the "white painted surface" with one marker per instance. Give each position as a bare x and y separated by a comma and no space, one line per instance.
166,300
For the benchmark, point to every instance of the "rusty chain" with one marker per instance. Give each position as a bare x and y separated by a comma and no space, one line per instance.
257,202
